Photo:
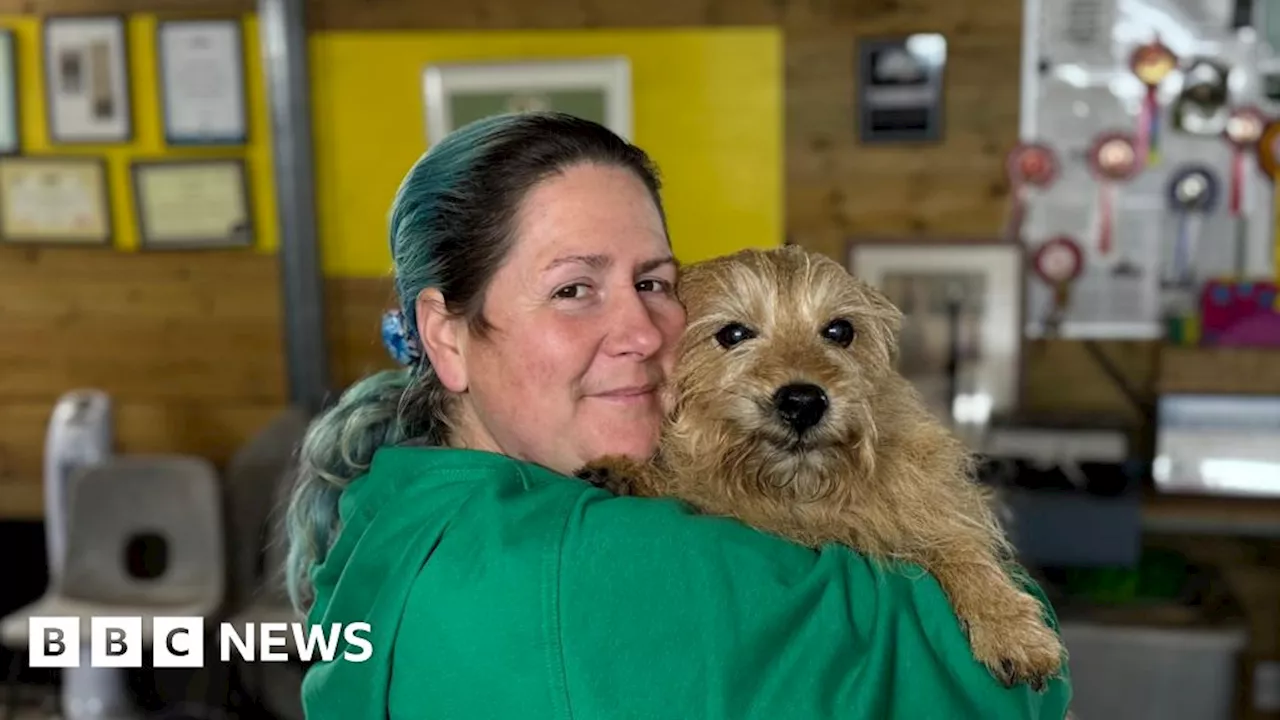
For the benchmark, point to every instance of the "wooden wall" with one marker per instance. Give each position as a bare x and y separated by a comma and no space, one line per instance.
188,345
217,360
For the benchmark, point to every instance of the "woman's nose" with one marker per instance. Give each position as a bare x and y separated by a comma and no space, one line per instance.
631,328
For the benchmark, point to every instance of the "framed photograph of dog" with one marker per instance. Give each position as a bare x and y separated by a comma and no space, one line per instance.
961,339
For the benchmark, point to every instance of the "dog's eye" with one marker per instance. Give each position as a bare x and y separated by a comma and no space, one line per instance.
839,332
732,334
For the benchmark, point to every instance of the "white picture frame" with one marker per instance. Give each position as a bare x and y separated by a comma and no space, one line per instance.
992,385
88,97
597,88
202,81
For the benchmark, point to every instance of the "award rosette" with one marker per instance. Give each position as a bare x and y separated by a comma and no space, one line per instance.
1028,165
1245,128
1113,159
1268,149
1192,193
1151,64
1058,262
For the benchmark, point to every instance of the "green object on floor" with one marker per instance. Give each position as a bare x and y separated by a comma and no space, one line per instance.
1160,575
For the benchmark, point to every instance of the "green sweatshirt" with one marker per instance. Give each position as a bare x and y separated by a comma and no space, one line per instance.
498,590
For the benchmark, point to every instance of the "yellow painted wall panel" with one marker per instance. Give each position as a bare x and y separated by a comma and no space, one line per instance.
707,106
148,130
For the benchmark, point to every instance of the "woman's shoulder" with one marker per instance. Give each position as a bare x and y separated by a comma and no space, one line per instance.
586,524
604,599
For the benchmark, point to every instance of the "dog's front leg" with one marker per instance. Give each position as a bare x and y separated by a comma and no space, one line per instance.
1005,625
620,475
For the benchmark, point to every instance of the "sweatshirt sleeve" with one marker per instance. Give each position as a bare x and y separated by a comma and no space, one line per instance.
666,614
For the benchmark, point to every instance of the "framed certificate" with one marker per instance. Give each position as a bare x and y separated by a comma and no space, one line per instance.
86,62
202,81
54,200
192,204
10,128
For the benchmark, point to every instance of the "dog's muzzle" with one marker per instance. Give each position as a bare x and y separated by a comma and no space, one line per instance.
800,405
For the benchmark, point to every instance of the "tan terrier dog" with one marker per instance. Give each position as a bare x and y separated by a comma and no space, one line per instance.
788,414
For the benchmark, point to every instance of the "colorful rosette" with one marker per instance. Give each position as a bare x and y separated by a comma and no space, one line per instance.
1192,193
1245,128
1113,159
1029,166
1151,63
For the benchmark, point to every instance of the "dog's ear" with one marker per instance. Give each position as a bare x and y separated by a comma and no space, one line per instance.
886,316
698,280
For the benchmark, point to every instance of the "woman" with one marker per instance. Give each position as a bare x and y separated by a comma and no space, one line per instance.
539,318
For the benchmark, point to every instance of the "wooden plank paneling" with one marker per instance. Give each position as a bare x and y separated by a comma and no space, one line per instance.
141,326
355,307
187,344
1220,370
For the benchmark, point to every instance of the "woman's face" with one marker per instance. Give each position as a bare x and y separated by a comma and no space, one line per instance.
585,322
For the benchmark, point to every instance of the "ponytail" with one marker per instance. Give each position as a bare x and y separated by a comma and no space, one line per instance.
381,410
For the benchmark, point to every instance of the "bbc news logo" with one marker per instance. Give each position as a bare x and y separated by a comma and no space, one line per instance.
55,642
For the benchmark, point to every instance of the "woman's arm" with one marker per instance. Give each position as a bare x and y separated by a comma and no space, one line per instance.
664,614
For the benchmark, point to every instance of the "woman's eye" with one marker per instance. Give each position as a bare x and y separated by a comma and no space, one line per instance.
654,285
571,292
839,332
732,334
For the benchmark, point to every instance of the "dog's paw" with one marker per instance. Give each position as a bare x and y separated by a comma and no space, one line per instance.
1020,648
617,475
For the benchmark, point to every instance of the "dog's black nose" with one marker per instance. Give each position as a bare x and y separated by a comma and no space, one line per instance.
800,405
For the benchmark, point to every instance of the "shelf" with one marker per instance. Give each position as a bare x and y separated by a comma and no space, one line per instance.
1194,515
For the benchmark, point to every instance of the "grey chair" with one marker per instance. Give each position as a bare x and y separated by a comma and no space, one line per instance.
279,686
259,479
252,489
145,538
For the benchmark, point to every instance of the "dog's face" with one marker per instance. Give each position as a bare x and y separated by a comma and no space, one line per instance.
780,364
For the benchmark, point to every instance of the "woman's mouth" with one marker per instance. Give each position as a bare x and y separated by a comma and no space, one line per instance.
629,394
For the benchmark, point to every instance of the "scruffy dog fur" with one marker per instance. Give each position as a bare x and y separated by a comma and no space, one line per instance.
788,414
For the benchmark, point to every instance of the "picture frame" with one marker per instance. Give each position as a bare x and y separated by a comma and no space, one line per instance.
55,200
597,88
984,335
202,81
88,93
10,119
900,83
193,204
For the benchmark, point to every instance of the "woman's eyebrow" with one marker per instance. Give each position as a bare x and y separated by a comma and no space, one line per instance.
600,262
650,265
595,262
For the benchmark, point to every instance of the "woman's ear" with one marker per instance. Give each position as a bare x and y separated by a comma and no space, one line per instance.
443,340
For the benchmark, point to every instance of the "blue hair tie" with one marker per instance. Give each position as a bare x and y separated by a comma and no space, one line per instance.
399,339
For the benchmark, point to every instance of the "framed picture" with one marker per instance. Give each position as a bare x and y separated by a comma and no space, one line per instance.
86,61
597,89
10,126
202,81
900,82
961,336
54,200
192,204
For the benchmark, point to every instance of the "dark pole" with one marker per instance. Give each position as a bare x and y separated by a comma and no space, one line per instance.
953,352
285,60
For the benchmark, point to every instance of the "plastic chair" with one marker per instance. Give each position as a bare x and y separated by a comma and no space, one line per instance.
121,512
253,477
278,687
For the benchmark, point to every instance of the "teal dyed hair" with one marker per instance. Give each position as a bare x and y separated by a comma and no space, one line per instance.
450,228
